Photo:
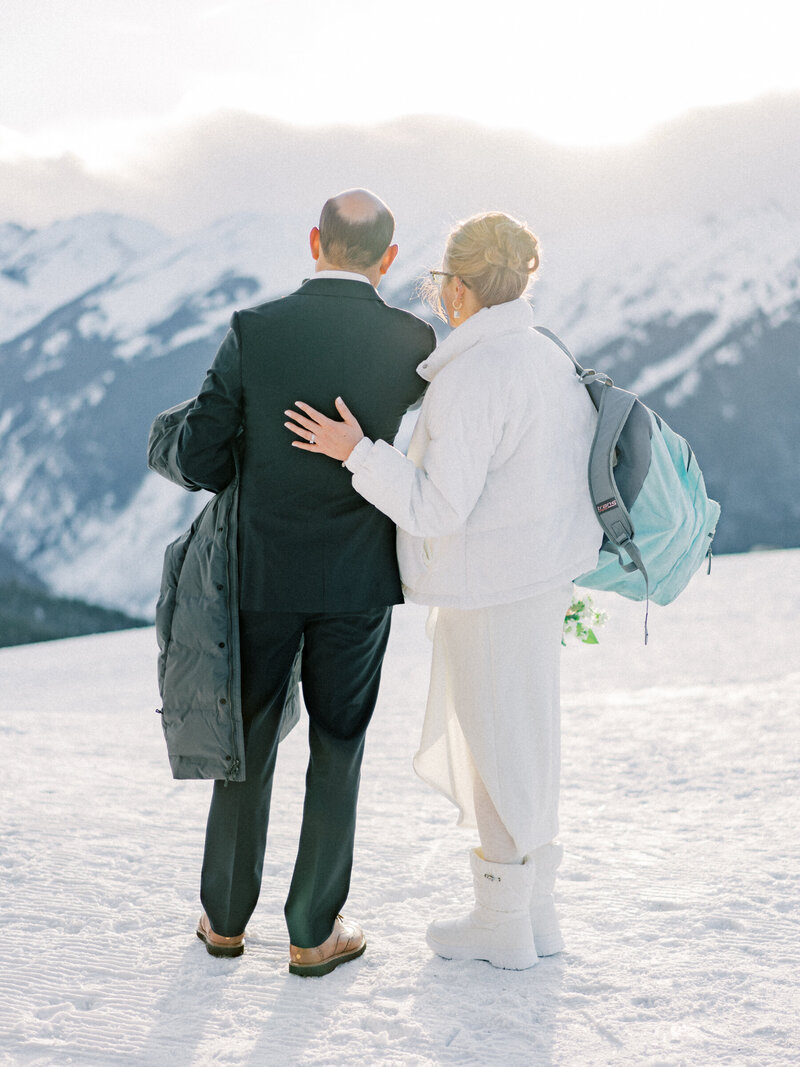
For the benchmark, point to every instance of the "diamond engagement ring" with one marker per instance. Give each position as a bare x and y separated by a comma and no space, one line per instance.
312,439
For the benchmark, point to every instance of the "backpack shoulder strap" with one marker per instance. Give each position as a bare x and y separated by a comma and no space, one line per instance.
586,375
543,330
613,406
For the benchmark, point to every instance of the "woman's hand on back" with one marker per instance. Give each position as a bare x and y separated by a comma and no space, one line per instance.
321,434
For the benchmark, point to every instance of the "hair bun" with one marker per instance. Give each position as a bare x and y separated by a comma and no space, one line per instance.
496,258
495,253
512,246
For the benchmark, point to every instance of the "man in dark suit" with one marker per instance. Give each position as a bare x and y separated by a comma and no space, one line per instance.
317,564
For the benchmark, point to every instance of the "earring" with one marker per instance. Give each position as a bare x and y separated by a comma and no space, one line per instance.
457,310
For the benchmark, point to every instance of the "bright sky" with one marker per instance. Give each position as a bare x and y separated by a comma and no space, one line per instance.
93,76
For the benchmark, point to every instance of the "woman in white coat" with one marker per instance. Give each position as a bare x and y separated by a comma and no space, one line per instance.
494,521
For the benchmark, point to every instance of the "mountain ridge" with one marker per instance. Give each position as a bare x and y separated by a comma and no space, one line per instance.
698,311
428,168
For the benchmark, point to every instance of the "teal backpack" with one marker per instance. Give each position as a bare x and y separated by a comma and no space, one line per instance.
649,497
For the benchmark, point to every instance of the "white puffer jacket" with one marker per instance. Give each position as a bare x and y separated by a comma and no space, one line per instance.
492,503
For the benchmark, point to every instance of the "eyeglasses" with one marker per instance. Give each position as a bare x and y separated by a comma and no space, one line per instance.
443,274
440,274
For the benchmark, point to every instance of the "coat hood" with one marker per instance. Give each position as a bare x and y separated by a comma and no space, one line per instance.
511,317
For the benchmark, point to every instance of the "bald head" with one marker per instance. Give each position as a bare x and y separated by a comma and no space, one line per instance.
355,229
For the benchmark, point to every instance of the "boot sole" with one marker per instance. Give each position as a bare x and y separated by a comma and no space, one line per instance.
220,951
316,970
519,963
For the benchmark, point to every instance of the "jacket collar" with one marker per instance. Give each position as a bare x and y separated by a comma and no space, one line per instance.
342,287
488,323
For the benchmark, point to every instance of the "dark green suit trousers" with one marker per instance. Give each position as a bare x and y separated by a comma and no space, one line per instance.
342,659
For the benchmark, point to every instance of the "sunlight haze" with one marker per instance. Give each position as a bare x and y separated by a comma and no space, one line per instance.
96,79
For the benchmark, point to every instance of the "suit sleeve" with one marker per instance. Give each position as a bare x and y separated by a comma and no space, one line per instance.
205,450
418,386
421,384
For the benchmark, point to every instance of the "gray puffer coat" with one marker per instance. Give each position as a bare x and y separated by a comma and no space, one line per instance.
197,626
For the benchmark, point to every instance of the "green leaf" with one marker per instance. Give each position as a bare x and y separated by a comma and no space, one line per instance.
578,619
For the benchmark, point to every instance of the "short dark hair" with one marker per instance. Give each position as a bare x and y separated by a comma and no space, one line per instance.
349,243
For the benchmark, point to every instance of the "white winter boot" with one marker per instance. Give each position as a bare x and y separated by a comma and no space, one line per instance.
544,921
499,927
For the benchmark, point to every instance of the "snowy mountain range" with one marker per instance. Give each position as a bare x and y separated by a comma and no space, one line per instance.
104,321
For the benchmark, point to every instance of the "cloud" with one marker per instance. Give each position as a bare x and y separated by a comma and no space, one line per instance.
184,174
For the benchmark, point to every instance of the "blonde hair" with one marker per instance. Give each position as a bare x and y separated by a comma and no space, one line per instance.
493,254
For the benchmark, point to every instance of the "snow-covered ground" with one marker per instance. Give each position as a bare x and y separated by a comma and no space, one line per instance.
680,894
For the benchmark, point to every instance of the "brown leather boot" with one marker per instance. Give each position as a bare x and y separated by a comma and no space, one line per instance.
216,944
346,942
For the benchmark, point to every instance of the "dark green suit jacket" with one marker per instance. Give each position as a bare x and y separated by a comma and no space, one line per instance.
307,541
